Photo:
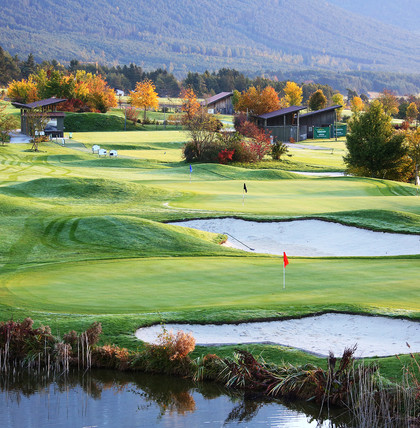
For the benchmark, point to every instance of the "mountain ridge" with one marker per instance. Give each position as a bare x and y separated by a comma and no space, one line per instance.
247,35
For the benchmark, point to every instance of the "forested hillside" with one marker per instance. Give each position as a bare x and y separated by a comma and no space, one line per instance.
402,13
249,35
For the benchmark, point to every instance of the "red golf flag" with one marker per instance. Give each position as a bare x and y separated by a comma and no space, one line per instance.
285,260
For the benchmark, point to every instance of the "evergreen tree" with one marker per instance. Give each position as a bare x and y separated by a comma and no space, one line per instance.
9,69
28,67
317,100
374,149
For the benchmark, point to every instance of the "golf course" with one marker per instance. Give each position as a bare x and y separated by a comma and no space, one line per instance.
86,238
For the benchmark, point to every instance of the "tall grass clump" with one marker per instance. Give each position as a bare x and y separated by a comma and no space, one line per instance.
170,355
375,402
23,346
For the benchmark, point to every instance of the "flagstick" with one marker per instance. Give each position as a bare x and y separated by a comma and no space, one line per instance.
243,196
284,277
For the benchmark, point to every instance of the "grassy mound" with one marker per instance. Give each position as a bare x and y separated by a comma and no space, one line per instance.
384,220
129,235
91,122
210,172
83,188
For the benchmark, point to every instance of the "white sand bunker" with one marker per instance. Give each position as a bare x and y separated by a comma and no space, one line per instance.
309,238
375,336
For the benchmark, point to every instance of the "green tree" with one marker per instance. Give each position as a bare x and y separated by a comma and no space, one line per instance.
202,130
374,149
36,120
235,98
412,112
317,100
338,100
389,102
28,67
351,94
9,68
7,124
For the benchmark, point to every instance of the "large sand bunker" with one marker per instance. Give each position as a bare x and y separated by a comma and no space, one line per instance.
374,336
310,238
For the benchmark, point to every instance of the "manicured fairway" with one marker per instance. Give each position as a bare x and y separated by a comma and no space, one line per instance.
73,226
130,138
327,158
377,285
168,155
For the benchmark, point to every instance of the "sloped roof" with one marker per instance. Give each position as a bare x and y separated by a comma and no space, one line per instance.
217,97
40,103
323,110
281,112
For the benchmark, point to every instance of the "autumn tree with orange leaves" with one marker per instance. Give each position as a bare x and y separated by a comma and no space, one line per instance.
257,101
145,96
83,91
190,104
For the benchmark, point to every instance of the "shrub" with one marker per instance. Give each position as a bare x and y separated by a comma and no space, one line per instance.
225,156
177,345
259,143
132,114
238,120
278,149
110,356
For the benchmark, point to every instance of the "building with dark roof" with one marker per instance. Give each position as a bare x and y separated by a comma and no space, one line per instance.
220,103
47,107
319,118
283,124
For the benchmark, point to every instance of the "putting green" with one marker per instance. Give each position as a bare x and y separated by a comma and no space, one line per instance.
293,197
186,283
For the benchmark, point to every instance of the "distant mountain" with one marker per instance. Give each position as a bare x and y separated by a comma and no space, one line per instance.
404,14
182,35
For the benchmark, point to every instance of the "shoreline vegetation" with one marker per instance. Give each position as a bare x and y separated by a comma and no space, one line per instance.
372,399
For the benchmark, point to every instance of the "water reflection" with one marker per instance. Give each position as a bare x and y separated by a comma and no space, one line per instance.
113,399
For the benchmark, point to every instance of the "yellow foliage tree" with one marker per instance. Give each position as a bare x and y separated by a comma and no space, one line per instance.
356,105
23,91
144,96
190,104
257,101
293,95
413,145
338,99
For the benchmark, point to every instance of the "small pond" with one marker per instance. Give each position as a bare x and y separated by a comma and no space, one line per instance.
307,238
114,399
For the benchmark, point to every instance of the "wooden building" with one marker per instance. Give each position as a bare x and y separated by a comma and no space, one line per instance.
319,118
220,103
284,124
47,107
